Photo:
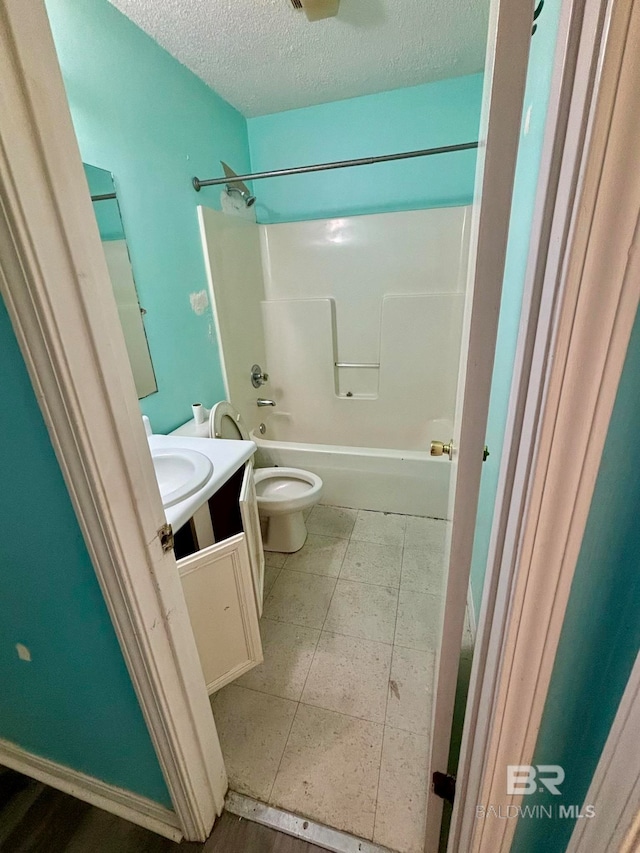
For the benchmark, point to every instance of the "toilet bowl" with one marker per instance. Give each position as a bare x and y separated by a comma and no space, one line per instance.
283,496
283,493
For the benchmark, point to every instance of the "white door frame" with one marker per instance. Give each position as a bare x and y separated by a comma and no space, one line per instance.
508,42
55,283
574,337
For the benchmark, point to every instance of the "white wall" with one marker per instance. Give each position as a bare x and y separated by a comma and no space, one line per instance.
385,289
231,247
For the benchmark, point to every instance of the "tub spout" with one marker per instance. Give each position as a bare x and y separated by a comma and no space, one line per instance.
262,403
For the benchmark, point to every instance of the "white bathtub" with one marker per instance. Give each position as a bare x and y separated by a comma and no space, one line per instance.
409,482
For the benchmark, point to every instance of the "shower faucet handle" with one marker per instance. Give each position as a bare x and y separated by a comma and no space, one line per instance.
258,378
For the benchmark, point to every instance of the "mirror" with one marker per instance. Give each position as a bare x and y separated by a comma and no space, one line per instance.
107,211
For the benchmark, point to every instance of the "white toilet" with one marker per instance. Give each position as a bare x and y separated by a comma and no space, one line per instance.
283,493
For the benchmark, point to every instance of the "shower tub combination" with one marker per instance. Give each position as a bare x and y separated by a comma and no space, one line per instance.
358,322
411,482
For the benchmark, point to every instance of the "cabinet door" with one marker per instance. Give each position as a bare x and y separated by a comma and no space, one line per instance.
218,588
251,524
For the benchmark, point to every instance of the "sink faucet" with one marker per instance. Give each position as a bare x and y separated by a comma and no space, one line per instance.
262,403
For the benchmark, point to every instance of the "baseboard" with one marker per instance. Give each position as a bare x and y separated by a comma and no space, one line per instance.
124,804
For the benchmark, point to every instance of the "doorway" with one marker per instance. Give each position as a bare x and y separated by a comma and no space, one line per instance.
335,725
364,520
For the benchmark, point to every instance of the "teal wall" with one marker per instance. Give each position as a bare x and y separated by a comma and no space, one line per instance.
601,632
536,100
73,702
144,117
441,113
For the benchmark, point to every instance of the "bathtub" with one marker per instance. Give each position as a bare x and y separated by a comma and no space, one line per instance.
410,482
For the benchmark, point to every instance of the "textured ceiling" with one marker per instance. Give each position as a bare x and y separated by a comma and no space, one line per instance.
263,56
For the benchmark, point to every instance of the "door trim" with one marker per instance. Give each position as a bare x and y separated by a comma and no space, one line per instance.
55,283
571,354
509,39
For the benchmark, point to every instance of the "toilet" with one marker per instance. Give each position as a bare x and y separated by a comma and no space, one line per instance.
283,493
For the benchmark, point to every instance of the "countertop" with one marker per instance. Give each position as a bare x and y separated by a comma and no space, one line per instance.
194,430
226,455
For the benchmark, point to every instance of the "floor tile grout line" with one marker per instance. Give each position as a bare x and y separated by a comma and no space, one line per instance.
384,725
265,597
386,706
364,583
304,685
284,749
375,810
298,703
307,704
326,615
313,657
345,580
324,630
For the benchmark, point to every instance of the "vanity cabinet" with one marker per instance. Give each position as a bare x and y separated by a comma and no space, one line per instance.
218,588
221,566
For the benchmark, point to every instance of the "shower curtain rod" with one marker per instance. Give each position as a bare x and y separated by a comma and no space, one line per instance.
338,164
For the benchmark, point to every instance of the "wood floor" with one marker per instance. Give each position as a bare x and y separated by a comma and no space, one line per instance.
38,819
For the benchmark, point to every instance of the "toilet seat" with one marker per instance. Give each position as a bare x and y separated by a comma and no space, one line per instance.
282,494
281,490
225,422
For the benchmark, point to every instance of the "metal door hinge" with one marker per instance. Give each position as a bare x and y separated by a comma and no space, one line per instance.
165,535
444,786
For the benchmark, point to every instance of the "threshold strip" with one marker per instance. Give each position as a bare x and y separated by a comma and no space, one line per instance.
299,827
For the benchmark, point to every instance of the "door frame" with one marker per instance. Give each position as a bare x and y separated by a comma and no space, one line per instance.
55,282
572,346
509,39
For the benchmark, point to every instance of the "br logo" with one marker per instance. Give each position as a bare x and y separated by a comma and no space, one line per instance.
527,779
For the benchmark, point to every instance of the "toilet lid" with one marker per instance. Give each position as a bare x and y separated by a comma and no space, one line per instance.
225,422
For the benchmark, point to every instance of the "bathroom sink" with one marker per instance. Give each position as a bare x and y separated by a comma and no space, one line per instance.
180,473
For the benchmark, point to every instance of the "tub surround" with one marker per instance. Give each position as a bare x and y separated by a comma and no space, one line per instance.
233,261
227,458
371,307
384,291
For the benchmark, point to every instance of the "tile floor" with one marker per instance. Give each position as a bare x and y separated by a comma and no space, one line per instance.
334,725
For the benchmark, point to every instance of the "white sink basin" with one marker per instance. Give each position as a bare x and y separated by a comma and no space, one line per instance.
180,473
